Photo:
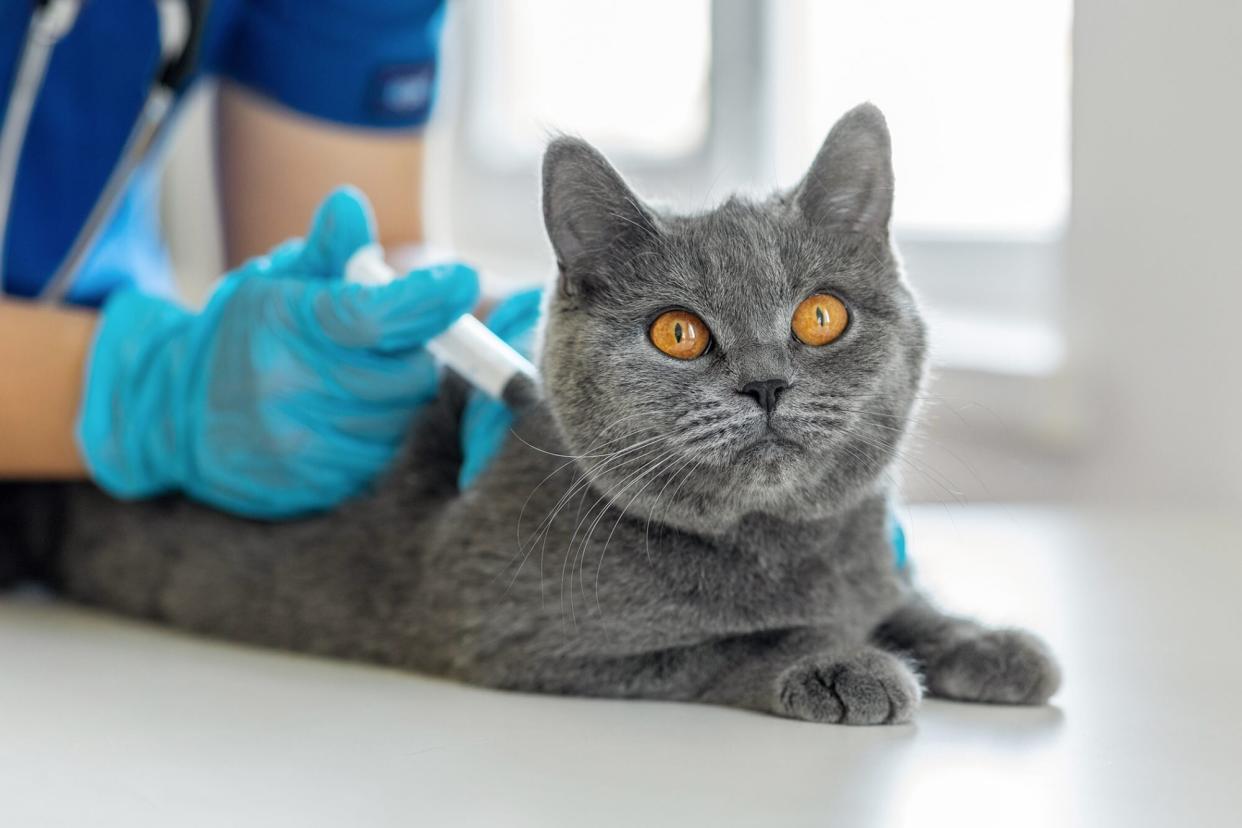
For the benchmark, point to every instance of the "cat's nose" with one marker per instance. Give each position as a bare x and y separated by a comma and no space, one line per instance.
765,392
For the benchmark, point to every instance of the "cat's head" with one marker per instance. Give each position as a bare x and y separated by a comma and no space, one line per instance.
814,347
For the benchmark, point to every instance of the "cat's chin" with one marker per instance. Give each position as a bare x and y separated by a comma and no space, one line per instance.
769,452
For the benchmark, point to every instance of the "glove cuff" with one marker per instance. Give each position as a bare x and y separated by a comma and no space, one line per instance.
127,424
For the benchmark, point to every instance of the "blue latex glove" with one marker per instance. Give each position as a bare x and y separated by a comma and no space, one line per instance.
288,393
897,538
485,422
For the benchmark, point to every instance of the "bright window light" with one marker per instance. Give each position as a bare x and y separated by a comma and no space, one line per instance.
976,93
629,75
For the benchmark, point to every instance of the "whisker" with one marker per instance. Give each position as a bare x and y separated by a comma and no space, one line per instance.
545,525
651,513
963,462
522,513
580,556
577,527
621,515
929,474
685,477
570,456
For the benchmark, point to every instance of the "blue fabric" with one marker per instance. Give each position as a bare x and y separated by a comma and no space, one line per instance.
289,392
367,63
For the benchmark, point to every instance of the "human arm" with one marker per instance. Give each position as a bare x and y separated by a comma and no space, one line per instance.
275,166
289,392
43,352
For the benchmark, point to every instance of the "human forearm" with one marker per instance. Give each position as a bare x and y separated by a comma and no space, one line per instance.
276,166
43,353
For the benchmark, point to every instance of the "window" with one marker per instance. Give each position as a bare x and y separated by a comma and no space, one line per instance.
600,70
698,98
980,124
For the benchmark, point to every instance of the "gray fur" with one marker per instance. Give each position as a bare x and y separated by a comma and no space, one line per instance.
648,532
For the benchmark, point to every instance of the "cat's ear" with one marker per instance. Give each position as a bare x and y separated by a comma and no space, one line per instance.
850,183
586,204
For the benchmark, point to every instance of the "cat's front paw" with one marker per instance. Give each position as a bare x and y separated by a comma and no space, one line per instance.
865,687
999,666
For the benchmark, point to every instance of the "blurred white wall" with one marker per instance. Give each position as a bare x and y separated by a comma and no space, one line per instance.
190,213
1154,270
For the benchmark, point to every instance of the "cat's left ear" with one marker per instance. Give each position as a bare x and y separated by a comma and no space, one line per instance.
850,183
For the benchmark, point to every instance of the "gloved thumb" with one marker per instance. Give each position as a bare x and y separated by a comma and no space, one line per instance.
514,320
342,224
400,315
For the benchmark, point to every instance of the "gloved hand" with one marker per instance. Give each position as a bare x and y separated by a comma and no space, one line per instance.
485,422
288,393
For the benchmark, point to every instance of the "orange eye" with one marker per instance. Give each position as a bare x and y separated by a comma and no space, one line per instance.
820,319
680,334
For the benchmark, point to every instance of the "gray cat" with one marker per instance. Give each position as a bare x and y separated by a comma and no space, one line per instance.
696,508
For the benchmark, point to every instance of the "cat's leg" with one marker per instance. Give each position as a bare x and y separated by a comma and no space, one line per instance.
862,685
800,674
821,682
962,659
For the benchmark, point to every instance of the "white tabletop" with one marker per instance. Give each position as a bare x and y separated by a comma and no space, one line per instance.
105,722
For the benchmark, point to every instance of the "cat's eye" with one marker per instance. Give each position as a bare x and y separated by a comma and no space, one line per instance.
680,334
820,319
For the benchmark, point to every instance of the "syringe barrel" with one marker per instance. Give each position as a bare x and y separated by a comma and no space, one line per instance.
467,346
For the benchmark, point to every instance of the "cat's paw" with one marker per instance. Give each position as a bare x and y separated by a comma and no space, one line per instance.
999,666
866,687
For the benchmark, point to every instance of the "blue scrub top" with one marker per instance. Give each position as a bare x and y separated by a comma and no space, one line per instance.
367,63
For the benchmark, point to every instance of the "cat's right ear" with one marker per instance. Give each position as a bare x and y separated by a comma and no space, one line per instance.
850,183
586,204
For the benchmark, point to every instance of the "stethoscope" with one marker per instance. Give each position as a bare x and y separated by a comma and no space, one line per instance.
181,24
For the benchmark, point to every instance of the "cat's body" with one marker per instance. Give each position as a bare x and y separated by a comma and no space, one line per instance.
457,593
649,532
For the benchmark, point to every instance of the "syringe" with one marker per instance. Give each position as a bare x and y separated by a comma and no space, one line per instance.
468,346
